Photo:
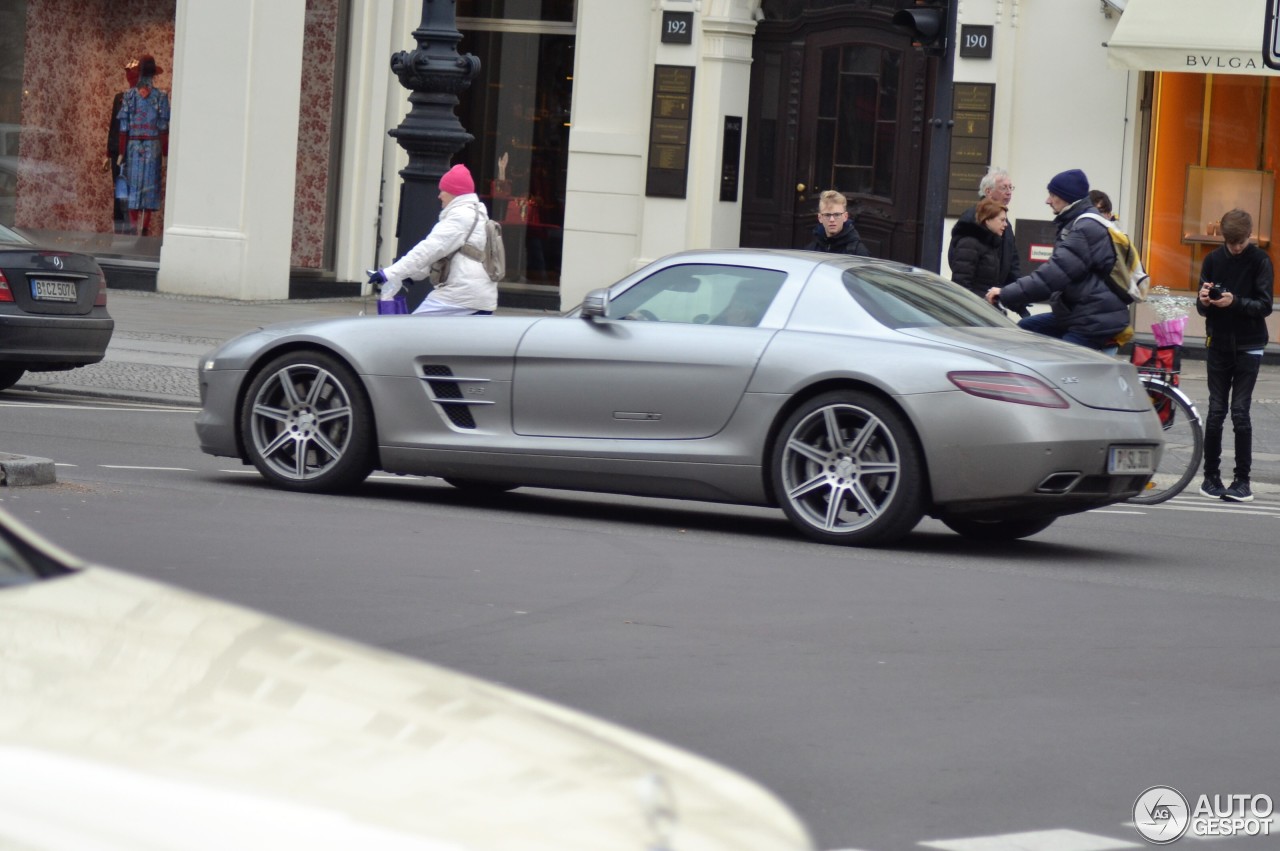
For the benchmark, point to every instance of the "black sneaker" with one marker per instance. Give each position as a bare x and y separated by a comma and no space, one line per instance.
1238,492
1212,487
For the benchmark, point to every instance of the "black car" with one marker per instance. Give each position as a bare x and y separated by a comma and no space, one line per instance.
53,309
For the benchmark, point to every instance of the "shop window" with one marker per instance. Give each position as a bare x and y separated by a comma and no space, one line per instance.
527,10
57,121
1214,146
518,111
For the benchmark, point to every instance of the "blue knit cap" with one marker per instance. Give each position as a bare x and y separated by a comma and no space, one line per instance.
1070,185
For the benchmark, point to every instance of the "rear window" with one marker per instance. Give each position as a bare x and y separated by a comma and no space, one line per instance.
903,300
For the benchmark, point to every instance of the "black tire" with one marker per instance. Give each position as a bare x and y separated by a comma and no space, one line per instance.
1183,445
847,470
479,488
307,425
998,530
9,376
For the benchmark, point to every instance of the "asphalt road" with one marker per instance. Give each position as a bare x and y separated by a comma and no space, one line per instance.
941,694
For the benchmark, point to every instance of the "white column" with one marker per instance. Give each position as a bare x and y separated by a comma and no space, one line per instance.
611,227
233,146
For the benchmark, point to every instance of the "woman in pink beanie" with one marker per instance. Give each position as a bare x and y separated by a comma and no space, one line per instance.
459,233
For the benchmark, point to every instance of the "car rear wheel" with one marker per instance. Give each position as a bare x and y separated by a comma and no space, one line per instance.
307,425
847,470
9,376
999,530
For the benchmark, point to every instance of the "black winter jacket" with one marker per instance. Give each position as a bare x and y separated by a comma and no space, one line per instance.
846,241
975,257
1010,269
1072,280
1249,277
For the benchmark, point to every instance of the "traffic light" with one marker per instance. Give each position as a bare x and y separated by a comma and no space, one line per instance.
927,26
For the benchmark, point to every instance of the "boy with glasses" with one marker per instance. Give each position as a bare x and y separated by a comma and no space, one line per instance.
1236,283
835,234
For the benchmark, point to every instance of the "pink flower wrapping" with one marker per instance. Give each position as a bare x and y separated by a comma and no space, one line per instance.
1168,332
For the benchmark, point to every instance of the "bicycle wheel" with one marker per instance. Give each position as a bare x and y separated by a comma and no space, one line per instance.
1183,443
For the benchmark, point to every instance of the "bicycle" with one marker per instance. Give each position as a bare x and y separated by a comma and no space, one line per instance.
1183,434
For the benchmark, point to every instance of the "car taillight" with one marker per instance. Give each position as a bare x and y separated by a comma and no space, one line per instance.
1008,387
6,294
100,300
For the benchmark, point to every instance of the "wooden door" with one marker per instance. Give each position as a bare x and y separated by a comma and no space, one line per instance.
837,102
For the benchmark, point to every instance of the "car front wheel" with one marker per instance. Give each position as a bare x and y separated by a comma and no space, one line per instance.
847,470
306,424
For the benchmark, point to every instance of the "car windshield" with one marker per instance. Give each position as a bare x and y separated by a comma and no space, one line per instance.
7,235
902,300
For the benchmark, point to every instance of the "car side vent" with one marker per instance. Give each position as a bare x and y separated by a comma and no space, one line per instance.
449,396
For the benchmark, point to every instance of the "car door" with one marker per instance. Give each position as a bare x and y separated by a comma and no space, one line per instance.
670,362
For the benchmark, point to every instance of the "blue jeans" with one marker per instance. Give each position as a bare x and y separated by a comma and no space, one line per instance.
1050,326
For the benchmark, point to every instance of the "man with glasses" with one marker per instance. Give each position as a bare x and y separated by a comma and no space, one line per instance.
1236,282
998,186
834,233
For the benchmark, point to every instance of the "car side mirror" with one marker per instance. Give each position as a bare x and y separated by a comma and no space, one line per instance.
595,304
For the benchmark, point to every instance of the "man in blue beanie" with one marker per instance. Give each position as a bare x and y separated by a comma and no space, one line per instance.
1084,309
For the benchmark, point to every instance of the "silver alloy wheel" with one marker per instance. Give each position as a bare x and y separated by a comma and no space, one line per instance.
840,469
301,422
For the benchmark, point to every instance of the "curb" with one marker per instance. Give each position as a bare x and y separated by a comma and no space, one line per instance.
140,397
26,470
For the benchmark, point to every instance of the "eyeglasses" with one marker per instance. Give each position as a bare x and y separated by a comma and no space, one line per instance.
1004,187
831,217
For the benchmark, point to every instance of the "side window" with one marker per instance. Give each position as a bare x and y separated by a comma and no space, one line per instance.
700,294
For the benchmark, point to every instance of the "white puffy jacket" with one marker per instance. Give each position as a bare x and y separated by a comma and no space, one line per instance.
468,284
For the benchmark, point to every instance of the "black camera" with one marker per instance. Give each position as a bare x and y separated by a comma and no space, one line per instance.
1215,292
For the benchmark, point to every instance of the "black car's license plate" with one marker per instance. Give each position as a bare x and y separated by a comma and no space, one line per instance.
46,290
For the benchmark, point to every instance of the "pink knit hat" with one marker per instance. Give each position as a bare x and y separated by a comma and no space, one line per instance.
457,181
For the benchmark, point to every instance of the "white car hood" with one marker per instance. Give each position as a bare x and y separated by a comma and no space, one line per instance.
134,715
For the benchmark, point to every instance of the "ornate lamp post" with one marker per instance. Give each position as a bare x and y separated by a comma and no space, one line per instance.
431,134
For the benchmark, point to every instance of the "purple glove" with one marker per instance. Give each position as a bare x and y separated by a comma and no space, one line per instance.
376,276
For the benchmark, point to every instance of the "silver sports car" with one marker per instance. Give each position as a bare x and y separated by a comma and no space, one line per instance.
856,395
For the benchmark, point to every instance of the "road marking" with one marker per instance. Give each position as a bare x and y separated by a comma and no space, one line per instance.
1036,840
122,406
129,467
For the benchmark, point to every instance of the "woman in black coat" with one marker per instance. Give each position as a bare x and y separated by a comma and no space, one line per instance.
976,246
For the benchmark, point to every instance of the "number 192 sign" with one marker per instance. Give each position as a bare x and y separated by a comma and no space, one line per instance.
1271,36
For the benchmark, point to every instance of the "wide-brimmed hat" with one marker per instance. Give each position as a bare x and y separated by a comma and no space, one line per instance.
147,66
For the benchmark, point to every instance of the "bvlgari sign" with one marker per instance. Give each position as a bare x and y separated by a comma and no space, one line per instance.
1198,36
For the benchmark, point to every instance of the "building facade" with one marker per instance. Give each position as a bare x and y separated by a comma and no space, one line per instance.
607,133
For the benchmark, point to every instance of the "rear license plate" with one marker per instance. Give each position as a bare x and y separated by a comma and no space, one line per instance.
1124,460
43,290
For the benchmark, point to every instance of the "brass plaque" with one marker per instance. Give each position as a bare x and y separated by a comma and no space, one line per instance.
669,122
973,97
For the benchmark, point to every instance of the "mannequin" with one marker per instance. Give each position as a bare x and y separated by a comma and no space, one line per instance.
144,143
120,207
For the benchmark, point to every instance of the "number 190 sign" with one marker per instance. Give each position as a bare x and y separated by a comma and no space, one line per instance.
1271,36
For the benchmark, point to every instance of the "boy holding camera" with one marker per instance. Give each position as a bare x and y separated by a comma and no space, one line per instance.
1236,283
